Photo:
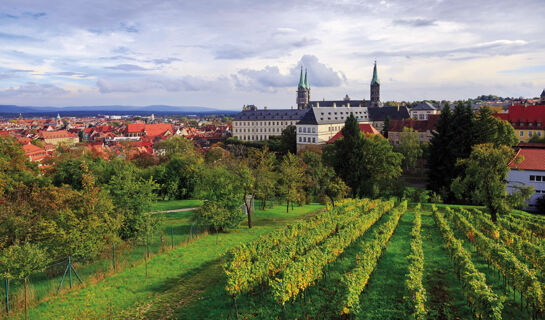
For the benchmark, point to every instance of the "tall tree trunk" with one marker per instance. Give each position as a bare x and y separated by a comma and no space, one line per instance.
26,315
287,205
248,210
146,262
332,201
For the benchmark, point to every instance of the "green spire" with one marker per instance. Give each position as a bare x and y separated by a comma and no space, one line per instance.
301,82
307,86
375,76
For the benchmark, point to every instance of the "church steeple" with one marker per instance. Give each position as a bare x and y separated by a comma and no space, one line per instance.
301,82
375,88
303,91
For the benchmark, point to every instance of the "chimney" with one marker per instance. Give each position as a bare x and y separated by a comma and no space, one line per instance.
348,105
317,104
334,105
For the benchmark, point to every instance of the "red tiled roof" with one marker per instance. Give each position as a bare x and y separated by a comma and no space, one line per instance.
4,133
521,116
364,127
135,127
24,141
56,134
534,159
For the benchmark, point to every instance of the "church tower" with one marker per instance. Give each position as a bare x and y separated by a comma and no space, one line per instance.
303,91
542,100
375,88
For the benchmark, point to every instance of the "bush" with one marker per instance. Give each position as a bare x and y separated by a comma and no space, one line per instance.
217,218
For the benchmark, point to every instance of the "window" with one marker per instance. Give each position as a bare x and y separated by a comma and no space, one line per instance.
313,140
304,130
300,129
538,178
521,133
300,139
530,133
532,178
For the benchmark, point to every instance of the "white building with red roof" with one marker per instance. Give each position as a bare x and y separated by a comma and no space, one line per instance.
528,169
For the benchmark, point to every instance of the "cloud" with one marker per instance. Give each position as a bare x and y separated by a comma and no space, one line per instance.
527,69
16,37
491,48
127,67
272,48
164,60
270,77
415,22
129,28
33,89
169,84
34,15
70,74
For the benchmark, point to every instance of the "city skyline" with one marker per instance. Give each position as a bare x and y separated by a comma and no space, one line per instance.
224,55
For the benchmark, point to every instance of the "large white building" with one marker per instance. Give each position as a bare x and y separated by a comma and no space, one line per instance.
529,172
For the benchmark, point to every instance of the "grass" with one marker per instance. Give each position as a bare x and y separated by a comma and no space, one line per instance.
128,293
176,204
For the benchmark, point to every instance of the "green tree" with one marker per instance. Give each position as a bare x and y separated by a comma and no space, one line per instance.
409,146
291,172
175,145
441,158
493,130
334,187
220,188
132,197
262,162
386,128
22,260
288,140
145,226
486,171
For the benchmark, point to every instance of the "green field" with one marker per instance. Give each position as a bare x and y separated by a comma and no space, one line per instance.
175,204
128,292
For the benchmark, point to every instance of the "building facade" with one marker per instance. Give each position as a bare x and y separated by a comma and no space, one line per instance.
423,110
528,121
528,172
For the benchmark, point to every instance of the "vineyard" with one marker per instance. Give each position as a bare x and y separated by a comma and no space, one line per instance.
376,259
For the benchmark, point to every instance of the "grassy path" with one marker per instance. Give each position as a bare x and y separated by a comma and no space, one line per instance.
445,296
129,293
383,295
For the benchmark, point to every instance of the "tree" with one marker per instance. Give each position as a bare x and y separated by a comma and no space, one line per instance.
132,197
345,155
367,164
262,162
335,188
222,192
380,168
485,179
246,180
291,171
175,145
494,130
442,160
145,225
386,128
23,260
409,146
288,140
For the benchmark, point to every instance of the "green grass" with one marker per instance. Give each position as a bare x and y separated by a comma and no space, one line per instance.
128,293
176,204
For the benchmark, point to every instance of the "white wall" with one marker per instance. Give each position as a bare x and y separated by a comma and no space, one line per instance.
522,177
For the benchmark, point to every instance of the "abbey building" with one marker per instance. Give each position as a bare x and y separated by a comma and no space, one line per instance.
316,121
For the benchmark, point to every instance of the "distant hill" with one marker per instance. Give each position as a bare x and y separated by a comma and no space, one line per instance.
114,109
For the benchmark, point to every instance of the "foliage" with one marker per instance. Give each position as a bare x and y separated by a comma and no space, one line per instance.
223,193
409,147
22,260
262,162
354,282
291,171
485,302
367,164
485,178
416,297
288,140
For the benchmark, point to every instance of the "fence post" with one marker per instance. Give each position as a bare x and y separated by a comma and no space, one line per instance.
7,295
113,255
171,238
70,271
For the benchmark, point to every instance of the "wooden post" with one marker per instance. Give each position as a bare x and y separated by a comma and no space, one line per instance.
26,315
7,295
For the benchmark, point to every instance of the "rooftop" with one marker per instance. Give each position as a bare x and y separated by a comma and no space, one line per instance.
533,159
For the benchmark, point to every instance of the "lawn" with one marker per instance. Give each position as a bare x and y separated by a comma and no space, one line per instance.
176,204
128,293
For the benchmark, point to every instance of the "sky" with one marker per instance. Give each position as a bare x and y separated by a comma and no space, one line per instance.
225,54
